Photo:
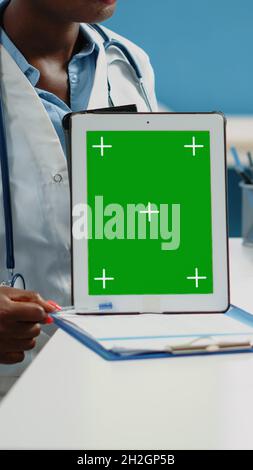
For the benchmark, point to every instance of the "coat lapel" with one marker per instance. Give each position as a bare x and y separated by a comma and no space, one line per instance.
24,110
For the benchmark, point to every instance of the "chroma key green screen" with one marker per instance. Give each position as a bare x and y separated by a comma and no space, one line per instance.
149,224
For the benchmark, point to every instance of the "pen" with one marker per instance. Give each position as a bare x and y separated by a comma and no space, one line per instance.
250,163
108,306
239,168
246,179
250,159
236,158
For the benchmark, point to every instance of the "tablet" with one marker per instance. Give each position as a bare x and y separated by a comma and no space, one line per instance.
149,220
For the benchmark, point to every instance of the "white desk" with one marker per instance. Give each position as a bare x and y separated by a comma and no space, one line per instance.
71,398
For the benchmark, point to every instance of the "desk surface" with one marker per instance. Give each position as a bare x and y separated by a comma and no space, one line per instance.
71,398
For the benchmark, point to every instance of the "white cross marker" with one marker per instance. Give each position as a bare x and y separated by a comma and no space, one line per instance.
149,211
196,278
104,278
102,146
194,146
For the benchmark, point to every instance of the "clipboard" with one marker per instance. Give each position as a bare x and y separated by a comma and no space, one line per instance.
186,350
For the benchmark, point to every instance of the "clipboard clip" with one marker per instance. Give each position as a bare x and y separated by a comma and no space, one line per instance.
188,348
211,348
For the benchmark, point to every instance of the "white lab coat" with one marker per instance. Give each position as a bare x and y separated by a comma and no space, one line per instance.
40,205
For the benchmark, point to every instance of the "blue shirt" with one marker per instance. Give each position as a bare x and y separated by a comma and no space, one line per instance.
81,72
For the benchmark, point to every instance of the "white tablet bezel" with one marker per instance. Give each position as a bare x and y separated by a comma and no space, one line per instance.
80,123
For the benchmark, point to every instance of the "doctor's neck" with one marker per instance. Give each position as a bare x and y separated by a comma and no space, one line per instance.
50,28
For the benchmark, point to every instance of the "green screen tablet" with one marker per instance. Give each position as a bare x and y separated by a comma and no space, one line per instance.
149,211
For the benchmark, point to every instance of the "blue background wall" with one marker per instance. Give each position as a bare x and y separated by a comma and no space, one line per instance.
202,53
202,50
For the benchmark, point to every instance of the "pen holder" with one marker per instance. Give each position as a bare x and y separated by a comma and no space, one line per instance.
247,214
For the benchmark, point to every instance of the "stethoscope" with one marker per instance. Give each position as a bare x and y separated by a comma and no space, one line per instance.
130,59
15,279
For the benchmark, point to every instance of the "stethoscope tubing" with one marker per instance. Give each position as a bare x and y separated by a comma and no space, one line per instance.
10,259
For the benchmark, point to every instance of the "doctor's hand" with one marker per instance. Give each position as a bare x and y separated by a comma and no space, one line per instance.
21,313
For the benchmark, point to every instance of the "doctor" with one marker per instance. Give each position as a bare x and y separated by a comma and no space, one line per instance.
51,63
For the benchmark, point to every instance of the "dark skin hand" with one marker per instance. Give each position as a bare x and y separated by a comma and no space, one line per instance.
47,34
21,313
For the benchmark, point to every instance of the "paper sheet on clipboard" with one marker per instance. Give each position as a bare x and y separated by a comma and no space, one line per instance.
159,332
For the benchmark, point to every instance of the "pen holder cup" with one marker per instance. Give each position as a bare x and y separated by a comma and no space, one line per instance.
247,214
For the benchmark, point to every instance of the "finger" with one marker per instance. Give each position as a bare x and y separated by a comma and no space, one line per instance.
24,312
21,330
13,345
12,358
19,295
48,321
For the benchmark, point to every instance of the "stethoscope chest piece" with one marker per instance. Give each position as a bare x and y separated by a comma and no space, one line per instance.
16,281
